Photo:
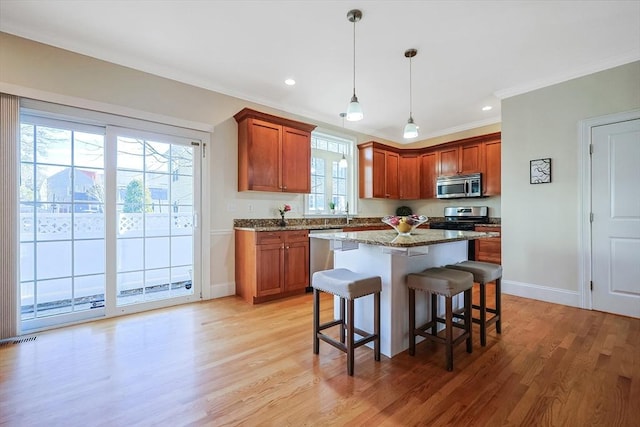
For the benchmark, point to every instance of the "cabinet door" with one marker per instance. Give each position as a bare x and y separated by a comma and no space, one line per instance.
296,265
448,161
409,172
470,158
489,250
269,266
296,161
392,182
429,173
264,156
379,173
492,174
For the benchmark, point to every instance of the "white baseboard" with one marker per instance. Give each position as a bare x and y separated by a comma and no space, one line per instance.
542,293
219,290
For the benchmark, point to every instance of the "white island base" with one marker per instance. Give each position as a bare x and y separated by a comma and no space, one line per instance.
393,265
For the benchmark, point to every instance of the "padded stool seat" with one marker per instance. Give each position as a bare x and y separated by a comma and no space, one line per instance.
448,283
484,273
348,286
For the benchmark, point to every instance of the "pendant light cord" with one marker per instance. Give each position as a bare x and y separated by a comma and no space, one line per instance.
410,89
354,57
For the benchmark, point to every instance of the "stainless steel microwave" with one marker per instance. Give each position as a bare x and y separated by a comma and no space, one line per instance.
459,186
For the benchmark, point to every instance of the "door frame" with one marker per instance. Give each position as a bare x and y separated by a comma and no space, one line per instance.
585,267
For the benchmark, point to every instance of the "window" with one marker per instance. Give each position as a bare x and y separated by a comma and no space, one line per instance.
331,182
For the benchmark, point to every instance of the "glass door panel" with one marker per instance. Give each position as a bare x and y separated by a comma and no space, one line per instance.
155,219
62,235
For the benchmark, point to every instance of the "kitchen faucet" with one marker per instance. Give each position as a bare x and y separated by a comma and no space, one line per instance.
347,212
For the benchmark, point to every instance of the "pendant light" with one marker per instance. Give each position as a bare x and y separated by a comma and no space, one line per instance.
342,164
410,129
354,111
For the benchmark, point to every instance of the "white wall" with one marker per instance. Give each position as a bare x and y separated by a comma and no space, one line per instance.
540,251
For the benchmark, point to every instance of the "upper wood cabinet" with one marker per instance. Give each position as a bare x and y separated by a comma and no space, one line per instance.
396,173
378,171
274,153
409,172
429,174
492,172
460,159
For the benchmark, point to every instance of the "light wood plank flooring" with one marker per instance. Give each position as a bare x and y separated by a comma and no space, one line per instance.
225,362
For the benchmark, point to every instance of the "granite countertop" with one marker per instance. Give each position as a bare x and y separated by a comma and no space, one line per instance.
337,223
417,238
304,224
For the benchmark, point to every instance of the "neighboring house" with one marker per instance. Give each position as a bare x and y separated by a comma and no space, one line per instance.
60,193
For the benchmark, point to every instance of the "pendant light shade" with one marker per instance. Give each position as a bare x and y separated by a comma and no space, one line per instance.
354,110
410,129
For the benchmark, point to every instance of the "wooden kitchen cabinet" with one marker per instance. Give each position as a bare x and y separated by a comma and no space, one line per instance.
274,154
492,172
409,173
390,172
428,175
271,264
460,159
489,250
378,171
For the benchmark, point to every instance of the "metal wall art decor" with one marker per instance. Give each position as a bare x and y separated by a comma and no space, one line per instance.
540,172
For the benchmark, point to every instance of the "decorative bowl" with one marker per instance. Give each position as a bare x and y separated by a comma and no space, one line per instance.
404,225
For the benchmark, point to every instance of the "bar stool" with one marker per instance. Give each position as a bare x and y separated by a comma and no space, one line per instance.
484,273
348,286
448,283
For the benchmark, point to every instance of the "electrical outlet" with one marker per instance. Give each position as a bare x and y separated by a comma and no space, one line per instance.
250,207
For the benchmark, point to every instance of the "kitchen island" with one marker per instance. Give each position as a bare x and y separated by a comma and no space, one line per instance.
392,257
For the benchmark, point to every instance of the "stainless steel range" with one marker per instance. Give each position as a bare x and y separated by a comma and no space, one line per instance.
463,218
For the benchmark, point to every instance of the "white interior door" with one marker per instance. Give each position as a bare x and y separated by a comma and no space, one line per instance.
616,218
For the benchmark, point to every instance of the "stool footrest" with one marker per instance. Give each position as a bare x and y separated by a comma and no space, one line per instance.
329,324
340,346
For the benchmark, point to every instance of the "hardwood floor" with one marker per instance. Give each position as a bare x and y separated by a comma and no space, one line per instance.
225,362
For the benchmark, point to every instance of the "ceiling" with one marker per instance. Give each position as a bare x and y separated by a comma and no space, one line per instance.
470,53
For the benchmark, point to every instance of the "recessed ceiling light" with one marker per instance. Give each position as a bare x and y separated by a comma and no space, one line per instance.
289,82
487,108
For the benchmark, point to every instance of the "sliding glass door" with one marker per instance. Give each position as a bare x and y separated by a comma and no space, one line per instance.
155,215
107,221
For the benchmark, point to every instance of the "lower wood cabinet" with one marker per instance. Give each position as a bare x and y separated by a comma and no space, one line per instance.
489,250
271,264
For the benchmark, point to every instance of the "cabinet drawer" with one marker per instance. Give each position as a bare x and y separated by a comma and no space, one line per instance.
296,236
269,237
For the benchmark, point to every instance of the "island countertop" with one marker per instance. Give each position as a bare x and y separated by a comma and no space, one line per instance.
419,237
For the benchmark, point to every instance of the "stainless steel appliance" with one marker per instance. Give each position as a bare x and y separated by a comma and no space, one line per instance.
463,218
459,186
